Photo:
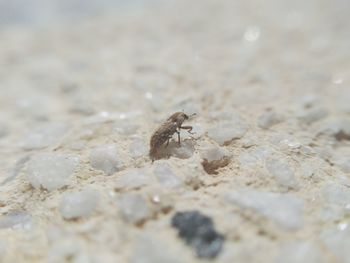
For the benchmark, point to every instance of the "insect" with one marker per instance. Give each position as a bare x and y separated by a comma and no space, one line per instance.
165,132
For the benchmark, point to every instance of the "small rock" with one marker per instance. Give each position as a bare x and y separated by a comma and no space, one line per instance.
150,249
162,202
15,219
255,155
132,179
51,171
138,148
71,249
339,129
282,172
214,153
134,208
300,252
198,231
78,204
336,194
268,119
106,159
20,163
284,209
337,240
213,166
185,151
45,135
225,131
343,163
214,158
125,128
166,176
312,115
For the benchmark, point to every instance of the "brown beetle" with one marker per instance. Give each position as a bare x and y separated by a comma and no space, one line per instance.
165,132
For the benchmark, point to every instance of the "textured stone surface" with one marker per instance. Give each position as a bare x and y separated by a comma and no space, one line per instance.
134,208
105,158
78,204
284,209
83,84
51,171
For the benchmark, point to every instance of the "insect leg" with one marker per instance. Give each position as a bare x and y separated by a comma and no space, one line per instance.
167,142
188,128
178,137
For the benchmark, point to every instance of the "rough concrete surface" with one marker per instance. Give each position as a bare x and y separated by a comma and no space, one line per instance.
81,95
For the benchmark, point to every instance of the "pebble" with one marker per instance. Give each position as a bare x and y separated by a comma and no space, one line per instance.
214,153
337,240
106,159
15,219
45,135
300,252
68,248
185,151
51,171
125,128
151,249
339,128
282,172
343,163
312,115
166,176
132,179
255,155
138,148
198,231
336,194
268,119
78,204
225,131
284,209
134,208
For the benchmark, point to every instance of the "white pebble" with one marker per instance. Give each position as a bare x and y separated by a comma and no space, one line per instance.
134,208
343,163
312,115
150,249
133,179
255,155
284,209
138,148
300,252
214,153
44,135
15,219
282,172
337,240
336,194
185,151
78,204
225,131
125,128
51,171
105,158
268,119
166,176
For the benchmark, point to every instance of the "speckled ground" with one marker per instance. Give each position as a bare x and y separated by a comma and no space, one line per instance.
269,81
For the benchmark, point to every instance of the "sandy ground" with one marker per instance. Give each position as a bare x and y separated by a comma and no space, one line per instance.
269,82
